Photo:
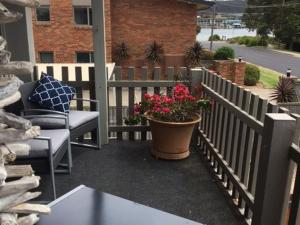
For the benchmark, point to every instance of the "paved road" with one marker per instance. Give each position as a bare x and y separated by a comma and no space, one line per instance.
264,57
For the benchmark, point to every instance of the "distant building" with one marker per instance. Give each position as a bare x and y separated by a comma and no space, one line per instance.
221,21
63,28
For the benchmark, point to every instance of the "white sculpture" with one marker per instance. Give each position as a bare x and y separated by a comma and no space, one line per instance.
13,130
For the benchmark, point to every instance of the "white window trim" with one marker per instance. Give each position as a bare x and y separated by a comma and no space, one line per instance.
88,16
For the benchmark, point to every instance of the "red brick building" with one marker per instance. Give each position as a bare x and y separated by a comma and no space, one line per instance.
63,28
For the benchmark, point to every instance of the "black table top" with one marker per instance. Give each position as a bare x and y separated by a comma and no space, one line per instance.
86,206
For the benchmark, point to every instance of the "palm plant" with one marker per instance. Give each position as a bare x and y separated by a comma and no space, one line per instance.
193,55
154,53
284,90
121,52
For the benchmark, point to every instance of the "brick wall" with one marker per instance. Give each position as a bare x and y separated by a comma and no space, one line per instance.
138,23
62,36
231,70
107,12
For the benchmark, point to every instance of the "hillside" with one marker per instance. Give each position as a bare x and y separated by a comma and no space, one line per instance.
234,6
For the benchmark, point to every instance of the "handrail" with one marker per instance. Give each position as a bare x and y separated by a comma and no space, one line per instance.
295,153
142,83
242,115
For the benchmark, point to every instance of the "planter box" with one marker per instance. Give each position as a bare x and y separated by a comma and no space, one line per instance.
293,107
174,60
209,64
231,70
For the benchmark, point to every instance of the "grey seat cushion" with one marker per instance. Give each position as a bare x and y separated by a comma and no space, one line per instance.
76,119
40,149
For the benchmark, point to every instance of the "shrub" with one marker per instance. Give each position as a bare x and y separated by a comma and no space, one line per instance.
252,75
121,52
234,40
215,37
284,91
193,55
198,29
207,55
250,41
257,41
224,53
154,53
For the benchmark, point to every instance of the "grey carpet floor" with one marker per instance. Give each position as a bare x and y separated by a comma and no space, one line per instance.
126,169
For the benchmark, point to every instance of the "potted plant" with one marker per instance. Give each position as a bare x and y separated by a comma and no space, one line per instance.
121,53
284,92
172,120
193,55
153,55
197,56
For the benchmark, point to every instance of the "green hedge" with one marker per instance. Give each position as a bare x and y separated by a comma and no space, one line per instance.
215,37
224,53
252,75
249,41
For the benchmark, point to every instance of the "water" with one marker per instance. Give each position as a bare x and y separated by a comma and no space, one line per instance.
228,33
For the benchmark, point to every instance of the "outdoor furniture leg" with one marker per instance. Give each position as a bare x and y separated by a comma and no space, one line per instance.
52,169
98,137
86,145
70,161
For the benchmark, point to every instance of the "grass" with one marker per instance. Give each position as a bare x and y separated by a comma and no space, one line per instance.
269,78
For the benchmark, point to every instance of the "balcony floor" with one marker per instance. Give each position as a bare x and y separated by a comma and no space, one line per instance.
126,169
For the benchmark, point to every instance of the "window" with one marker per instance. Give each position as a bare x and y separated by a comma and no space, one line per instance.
85,57
43,14
83,16
46,57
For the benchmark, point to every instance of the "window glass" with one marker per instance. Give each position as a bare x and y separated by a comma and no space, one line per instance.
92,57
90,16
46,57
81,16
83,57
43,13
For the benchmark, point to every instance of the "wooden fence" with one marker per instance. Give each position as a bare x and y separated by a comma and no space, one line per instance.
136,89
122,94
246,141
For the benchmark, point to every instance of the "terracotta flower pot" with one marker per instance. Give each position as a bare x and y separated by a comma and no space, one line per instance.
171,140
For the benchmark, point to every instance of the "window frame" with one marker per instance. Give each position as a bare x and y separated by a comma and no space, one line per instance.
46,52
89,18
36,15
91,56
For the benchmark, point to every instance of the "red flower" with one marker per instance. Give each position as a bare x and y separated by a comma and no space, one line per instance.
167,100
137,107
166,110
191,98
157,109
147,96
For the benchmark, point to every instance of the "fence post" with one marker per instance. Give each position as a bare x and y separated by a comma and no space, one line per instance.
196,79
197,76
274,170
100,67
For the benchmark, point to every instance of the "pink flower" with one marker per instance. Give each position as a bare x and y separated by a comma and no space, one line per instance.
167,100
166,110
191,98
157,109
155,98
137,108
147,96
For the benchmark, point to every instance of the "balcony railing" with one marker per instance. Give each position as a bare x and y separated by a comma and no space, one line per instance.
246,140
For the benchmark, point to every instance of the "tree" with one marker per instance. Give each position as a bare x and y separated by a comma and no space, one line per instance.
280,17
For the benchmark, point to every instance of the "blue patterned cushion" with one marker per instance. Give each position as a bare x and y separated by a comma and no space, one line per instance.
52,94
